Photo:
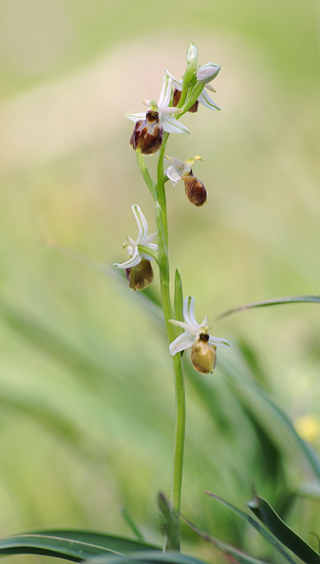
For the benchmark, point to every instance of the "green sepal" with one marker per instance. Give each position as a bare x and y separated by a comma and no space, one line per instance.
149,252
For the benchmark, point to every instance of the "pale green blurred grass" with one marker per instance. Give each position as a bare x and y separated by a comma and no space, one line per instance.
87,398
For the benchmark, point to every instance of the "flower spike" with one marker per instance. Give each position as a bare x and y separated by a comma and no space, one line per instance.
203,345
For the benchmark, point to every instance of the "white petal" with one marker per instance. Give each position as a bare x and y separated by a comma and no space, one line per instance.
136,117
141,222
205,99
150,238
175,161
171,125
218,342
173,174
133,261
181,343
188,311
169,110
176,83
165,94
191,329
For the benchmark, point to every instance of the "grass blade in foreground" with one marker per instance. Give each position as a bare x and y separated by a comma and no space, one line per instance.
263,532
70,545
153,557
263,510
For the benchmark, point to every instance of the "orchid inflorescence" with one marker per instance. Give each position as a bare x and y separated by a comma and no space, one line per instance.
149,136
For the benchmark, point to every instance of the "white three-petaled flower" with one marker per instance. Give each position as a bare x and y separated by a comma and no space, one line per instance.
193,331
169,123
144,240
204,97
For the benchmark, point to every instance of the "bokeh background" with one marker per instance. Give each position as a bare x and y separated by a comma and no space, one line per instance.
86,388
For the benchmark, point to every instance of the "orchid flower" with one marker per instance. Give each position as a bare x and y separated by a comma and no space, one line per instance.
178,169
148,132
196,337
204,97
135,252
194,188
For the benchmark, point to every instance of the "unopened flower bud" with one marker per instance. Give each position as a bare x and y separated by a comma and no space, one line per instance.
140,276
176,100
207,72
192,54
195,190
147,135
203,355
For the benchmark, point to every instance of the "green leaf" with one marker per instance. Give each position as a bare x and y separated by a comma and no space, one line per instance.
178,301
263,510
263,532
266,303
231,551
70,545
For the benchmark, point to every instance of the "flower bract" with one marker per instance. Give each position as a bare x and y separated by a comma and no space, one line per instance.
198,338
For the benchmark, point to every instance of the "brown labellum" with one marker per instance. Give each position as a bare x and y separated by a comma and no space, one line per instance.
195,190
203,355
147,135
140,276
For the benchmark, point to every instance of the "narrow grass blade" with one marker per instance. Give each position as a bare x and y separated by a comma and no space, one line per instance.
230,551
263,510
266,303
258,400
263,532
131,524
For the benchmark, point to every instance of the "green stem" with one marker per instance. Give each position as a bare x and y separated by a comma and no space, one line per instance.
161,217
159,195
176,484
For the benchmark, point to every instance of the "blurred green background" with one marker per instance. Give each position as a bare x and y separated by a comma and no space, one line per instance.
86,388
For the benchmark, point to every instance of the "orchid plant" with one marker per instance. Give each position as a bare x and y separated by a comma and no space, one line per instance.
150,137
